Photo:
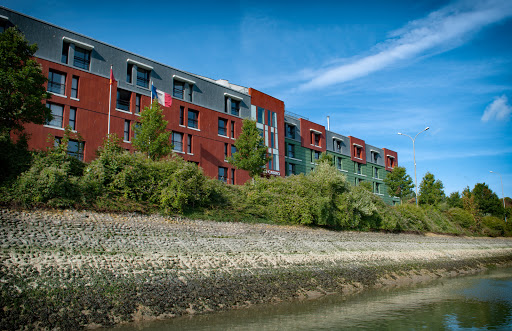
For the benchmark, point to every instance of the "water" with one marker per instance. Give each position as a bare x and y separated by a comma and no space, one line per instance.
480,302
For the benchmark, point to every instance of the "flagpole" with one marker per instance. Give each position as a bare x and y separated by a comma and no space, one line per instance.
109,99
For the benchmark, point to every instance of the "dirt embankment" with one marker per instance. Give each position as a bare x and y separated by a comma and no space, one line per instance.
73,269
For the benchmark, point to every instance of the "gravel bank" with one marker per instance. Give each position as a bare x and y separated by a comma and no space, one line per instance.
70,269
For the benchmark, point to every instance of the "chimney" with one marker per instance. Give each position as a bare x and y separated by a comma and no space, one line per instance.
328,124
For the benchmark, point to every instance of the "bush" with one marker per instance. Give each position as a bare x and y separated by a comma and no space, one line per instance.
412,218
461,217
14,158
358,209
495,226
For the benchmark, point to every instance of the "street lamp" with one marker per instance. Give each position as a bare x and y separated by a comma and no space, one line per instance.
501,179
414,155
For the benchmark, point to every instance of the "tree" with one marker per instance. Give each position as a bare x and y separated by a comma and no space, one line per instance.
327,158
399,183
487,201
151,136
454,200
21,84
431,190
251,152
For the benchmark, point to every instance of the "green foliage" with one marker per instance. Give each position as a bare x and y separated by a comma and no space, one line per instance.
251,152
366,185
14,157
454,200
495,226
431,190
21,84
399,183
413,218
326,158
487,201
151,136
461,217
358,210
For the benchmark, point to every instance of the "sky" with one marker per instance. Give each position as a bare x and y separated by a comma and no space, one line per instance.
375,68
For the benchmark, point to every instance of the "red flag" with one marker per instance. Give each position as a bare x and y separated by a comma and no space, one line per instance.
111,75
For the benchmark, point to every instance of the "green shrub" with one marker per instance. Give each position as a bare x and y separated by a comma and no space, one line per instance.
358,210
412,218
461,217
494,226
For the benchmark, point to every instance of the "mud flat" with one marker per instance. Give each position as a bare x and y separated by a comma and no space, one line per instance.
79,269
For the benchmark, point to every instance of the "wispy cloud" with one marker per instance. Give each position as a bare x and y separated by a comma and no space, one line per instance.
499,110
441,30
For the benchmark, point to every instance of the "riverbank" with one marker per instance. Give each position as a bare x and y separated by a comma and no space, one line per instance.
73,269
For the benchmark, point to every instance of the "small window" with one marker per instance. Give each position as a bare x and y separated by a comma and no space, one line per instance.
190,92
56,82
339,163
223,127
137,103
375,172
136,126
291,150
316,155
377,188
182,115
269,118
235,107
315,139
233,149
177,141
337,145
290,131
65,53
290,169
223,174
193,119
358,152
82,58
272,140
74,87
233,176
189,144
179,87
359,168
126,130
375,157
143,77
226,151
72,118
129,70
57,115
232,129
274,119
123,100
76,149
261,114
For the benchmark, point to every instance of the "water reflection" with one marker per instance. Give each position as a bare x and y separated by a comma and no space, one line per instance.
472,302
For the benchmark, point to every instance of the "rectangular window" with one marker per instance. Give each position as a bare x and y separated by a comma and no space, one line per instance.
269,118
235,107
290,131
359,168
233,150
74,87
190,92
274,119
126,130
261,114
391,161
76,149
377,188
223,127
129,70
65,53
142,77
182,115
272,140
137,103
232,129
337,145
56,82
223,174
339,163
225,151
291,150
57,115
316,156
82,58
270,162
317,139
123,100
178,89
177,141
376,172
375,157
72,118
189,144
193,119
290,169
233,176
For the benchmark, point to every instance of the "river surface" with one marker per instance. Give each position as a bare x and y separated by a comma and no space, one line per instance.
479,302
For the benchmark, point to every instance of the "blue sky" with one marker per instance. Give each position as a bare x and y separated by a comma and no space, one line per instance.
375,67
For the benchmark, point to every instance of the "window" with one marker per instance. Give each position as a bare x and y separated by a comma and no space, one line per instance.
137,103
375,156
232,129
223,174
136,127
260,115
375,172
359,168
126,130
269,118
339,163
290,169
72,118
235,107
225,151
223,127
123,100
233,176
233,149
193,119
65,53
290,131
76,149
391,161
179,87
56,82
291,150
377,188
272,140
129,70
316,156
182,115
274,119
190,92
177,141
82,58
74,87
358,152
57,114
143,77
317,139
337,145
189,144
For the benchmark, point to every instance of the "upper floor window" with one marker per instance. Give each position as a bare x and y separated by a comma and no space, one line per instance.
315,138
272,140
232,129
80,53
261,115
223,127
375,156
235,107
223,174
290,131
137,103
65,53
123,100
143,77
182,115
126,136
339,163
178,89
316,155
358,152
177,141
290,169
129,70
337,145
193,119
56,82
376,172
82,58
57,115
377,188
359,168
391,161
74,87
233,149
274,119
291,150
72,118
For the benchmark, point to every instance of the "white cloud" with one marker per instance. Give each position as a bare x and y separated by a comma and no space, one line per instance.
499,110
446,28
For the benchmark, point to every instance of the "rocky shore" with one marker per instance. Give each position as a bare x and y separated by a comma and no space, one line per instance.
75,269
